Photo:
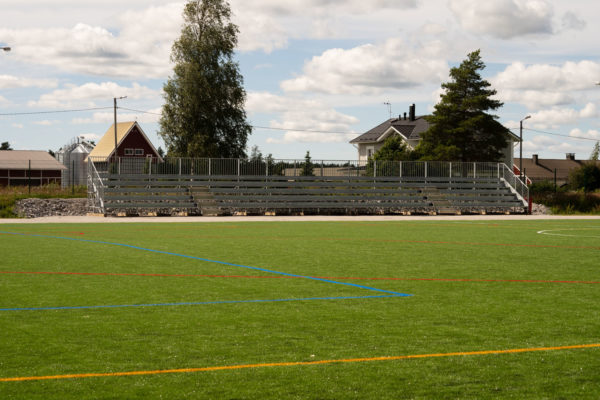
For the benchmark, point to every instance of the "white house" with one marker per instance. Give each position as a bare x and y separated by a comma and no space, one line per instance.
409,128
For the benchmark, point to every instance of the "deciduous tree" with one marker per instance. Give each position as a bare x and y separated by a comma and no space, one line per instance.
204,115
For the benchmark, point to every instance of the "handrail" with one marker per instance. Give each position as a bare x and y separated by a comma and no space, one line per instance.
516,185
97,194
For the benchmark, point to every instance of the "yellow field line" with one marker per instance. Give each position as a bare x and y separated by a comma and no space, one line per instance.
289,364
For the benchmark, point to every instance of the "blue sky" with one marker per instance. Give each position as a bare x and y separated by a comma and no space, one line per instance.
316,65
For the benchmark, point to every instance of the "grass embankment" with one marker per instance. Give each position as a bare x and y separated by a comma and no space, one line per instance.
475,286
10,195
570,203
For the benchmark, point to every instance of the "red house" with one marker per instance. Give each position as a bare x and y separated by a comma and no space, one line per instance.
131,142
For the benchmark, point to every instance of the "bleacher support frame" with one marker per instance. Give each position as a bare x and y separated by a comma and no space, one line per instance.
233,186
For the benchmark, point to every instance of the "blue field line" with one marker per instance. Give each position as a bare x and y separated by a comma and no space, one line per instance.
199,303
213,261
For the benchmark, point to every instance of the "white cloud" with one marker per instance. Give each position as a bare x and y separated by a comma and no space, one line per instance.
107,118
46,122
12,82
140,49
371,69
88,94
544,144
504,18
556,117
17,126
545,85
303,115
589,134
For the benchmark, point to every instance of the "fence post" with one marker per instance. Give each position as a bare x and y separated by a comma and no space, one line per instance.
400,169
425,169
209,165
322,165
554,180
179,165
450,169
73,177
474,170
294,167
374,168
29,176
498,168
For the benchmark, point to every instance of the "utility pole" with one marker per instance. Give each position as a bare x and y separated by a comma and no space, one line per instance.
115,124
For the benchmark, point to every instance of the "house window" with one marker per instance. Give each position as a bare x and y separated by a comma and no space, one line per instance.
128,152
370,151
139,152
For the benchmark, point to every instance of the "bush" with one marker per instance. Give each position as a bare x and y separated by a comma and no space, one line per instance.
569,202
586,177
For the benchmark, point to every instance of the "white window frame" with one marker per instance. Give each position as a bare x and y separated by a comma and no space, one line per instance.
129,152
139,152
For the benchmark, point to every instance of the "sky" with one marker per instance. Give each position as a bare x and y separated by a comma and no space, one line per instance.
317,72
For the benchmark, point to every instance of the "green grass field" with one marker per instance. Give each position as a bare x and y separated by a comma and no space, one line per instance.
474,286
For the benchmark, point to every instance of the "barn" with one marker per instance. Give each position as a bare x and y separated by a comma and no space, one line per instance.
29,167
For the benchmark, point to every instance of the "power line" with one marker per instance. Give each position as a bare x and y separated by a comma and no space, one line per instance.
559,134
53,112
253,126
257,126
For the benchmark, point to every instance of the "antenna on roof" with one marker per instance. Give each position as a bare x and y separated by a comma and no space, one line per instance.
389,106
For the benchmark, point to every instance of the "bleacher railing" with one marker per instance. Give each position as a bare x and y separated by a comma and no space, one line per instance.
289,167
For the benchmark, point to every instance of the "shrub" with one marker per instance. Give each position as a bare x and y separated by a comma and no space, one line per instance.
586,177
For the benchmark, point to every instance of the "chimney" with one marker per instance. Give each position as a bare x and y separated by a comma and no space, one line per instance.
571,156
535,159
405,116
412,112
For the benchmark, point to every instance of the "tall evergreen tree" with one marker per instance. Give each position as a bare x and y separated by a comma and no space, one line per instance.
204,115
462,128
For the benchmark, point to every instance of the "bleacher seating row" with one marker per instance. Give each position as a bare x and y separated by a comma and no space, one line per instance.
196,194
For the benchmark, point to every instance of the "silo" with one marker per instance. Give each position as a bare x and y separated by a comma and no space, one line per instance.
72,156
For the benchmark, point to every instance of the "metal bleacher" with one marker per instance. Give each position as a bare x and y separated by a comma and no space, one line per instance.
224,194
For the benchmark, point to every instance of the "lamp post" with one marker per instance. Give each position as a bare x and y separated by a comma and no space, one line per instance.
521,146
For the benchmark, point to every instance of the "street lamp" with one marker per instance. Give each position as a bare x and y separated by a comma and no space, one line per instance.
521,146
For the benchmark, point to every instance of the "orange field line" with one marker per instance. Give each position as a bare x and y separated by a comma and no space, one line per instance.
296,363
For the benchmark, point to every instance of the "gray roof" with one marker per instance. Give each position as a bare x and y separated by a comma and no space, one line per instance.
409,129
19,159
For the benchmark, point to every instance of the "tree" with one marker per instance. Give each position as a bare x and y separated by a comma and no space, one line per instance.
462,129
586,177
386,159
255,154
307,166
595,152
5,146
204,115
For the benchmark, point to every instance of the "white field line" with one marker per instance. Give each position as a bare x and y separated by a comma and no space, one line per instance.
551,232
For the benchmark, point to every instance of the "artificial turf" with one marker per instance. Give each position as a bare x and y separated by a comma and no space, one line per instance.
475,286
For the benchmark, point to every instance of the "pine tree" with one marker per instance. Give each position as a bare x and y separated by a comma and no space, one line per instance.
462,129
307,166
204,115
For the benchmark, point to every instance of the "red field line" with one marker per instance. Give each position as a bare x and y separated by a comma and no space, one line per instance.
296,363
293,277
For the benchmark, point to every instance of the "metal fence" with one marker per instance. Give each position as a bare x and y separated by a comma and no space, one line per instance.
278,167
